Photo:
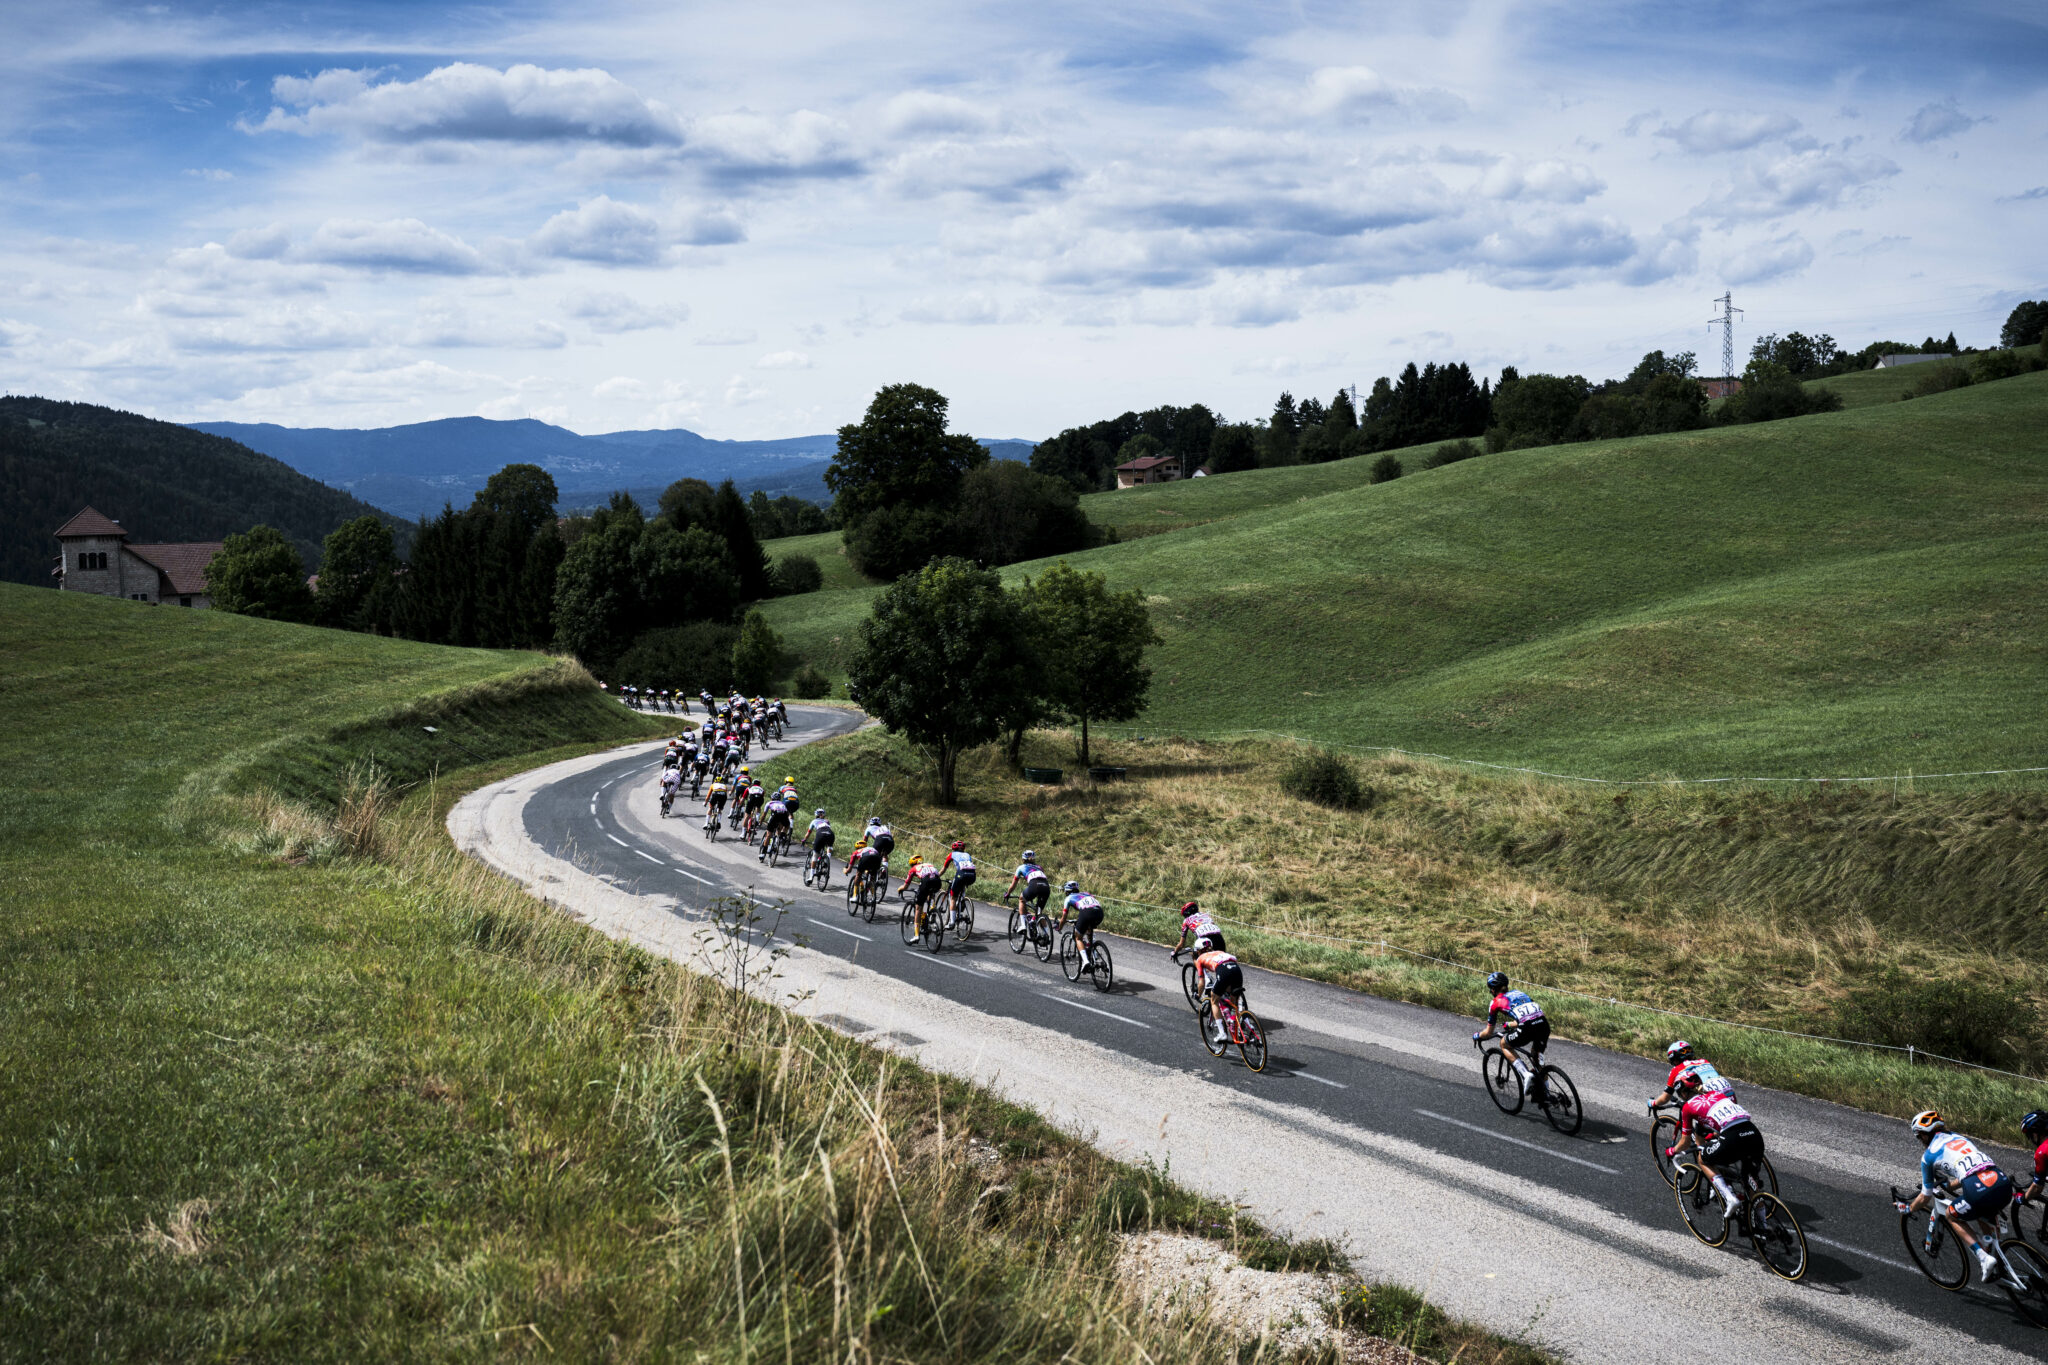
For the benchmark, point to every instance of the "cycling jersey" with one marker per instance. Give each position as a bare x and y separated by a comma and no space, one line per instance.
1197,923
1703,1071
756,794
2041,1161
1221,971
777,806
960,862
716,795
1030,873
671,778
925,872
1081,900
1709,1116
820,826
1951,1159
1518,1007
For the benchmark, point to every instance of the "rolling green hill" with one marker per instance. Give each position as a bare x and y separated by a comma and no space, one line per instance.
1849,593
162,481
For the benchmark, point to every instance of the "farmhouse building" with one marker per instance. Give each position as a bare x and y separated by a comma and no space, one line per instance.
1148,469
1892,362
96,557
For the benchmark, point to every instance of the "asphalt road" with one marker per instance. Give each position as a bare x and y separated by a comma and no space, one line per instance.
1369,1125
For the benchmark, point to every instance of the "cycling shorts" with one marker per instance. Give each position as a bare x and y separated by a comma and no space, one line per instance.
867,860
1733,1146
822,839
1087,921
1229,980
1983,1195
885,844
1532,1038
1211,942
963,879
1036,894
924,888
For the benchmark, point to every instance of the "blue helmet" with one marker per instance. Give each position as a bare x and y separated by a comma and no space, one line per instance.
1497,982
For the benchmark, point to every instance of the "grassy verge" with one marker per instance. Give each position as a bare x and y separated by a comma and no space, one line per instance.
315,1087
1839,912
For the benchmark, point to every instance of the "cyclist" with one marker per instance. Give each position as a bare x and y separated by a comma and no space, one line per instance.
962,864
714,800
818,838
1197,930
671,778
926,875
756,796
1962,1183
779,821
1684,1061
866,861
880,836
1726,1135
1222,977
1037,885
1086,912
1520,1023
788,793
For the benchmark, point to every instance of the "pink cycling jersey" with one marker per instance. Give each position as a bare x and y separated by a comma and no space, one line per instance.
1709,1115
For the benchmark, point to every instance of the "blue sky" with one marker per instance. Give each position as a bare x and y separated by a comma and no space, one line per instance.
744,220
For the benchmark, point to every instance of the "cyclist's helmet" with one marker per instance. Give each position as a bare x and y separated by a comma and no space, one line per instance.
1030,855
819,812
874,821
1688,1083
1680,1051
1190,907
788,781
1071,887
1926,1124
2035,1125
959,846
1497,982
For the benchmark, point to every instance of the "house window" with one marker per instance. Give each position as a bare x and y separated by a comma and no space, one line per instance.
184,601
91,561
138,597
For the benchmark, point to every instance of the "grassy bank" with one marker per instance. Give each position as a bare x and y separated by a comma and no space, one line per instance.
1890,916
296,1081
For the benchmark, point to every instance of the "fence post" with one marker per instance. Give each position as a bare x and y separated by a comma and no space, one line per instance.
1909,1054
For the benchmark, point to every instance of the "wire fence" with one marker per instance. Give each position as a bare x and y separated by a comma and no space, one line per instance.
1912,1054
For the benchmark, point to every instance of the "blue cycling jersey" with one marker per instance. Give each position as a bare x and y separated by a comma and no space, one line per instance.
1949,1159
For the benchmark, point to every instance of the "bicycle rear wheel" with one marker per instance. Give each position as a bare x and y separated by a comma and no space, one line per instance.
853,898
1775,1234
1205,1022
1502,1081
1664,1133
2032,1269
1559,1100
1016,933
906,920
1043,937
1251,1041
1105,968
965,929
1070,957
1936,1250
823,878
1700,1207
934,929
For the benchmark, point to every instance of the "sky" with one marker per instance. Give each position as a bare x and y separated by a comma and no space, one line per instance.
745,219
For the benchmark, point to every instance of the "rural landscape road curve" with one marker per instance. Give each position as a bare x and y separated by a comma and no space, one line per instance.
1369,1127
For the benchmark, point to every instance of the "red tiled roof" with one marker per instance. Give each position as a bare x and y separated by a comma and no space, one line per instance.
90,523
184,565
1145,462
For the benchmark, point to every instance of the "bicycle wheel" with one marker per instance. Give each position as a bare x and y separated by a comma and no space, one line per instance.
1187,985
963,928
853,898
934,929
1775,1234
1205,1024
1559,1100
2032,1269
871,899
1044,936
1503,1082
1664,1133
1016,932
1936,1250
1105,968
1766,1176
1070,957
1700,1207
1251,1044
824,875
906,919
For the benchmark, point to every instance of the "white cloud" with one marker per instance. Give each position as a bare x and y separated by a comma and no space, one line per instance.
1004,171
1933,122
1767,260
212,174
614,312
620,386
742,337
1550,182
1803,180
971,309
466,103
741,149
740,391
449,323
1728,130
313,328
916,113
603,231
260,244
1345,89
403,244
783,360
1549,253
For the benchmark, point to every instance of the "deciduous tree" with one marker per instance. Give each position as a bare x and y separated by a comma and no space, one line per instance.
1096,667
259,573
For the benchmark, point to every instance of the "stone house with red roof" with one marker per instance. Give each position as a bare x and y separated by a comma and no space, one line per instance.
96,557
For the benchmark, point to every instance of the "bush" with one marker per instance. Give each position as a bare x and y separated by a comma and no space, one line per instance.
1991,365
756,655
1385,469
1450,452
1770,392
1328,779
694,657
809,682
1961,1019
795,574
1938,378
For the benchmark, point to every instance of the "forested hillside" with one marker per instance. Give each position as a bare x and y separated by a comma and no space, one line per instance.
162,481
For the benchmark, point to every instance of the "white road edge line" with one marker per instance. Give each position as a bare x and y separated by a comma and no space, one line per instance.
620,842
1503,1137
938,962
1859,1251
1319,1080
1122,1019
691,875
649,857
837,930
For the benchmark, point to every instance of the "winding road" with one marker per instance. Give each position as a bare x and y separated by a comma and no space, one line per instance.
1369,1126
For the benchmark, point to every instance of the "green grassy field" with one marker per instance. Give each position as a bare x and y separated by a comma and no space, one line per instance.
826,548
294,1080
1867,387
1848,594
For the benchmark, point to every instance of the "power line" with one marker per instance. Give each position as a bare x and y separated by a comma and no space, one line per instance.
1726,321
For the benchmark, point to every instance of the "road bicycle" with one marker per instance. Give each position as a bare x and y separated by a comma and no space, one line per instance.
959,911
668,798
753,826
1190,981
1033,929
775,845
1098,965
862,895
711,818
1766,1221
1664,1135
921,920
1240,1027
818,870
1941,1256
1548,1086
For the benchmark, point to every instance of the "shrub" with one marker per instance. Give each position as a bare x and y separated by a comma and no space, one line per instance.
795,574
692,657
1450,452
1992,365
809,682
1385,469
1328,779
1966,1020
1938,378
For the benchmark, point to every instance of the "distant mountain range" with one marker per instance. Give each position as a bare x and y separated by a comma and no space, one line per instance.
412,470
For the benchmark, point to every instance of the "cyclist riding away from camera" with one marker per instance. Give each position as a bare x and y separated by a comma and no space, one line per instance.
1684,1062
778,823
1520,1024
1037,884
962,865
880,838
1963,1183
1197,930
2035,1125
1722,1129
1086,912
926,877
1222,977
818,838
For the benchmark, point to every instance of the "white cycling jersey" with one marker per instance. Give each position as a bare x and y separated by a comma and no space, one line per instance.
1950,1158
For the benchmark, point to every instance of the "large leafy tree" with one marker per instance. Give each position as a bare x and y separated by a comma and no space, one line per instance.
356,570
260,574
1097,671
1009,512
941,660
756,655
730,520
2025,325
900,455
598,606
